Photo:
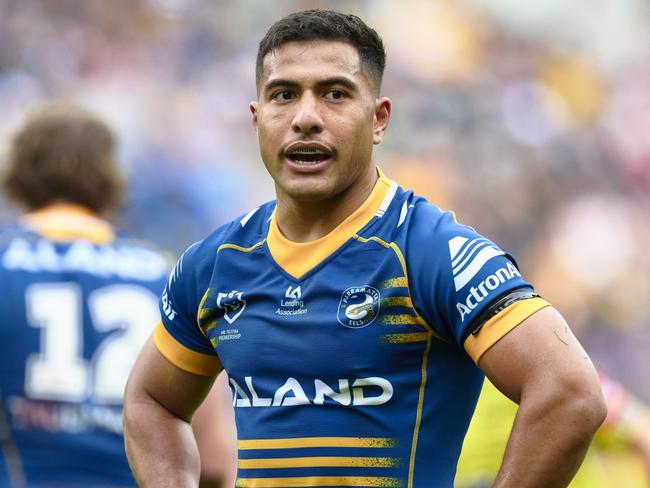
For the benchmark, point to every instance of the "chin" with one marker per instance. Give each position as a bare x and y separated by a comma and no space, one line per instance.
304,193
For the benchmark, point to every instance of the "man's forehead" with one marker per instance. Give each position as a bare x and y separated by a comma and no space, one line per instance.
328,55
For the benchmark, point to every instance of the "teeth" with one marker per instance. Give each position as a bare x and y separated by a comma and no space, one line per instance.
308,150
307,163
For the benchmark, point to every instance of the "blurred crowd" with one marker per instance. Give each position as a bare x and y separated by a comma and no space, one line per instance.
530,119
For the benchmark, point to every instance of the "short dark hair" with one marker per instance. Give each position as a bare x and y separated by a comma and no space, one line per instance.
64,154
312,25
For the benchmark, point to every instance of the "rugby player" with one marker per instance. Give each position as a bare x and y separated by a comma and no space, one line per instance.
356,321
78,300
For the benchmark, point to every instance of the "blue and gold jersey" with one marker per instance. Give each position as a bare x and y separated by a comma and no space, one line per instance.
77,304
351,358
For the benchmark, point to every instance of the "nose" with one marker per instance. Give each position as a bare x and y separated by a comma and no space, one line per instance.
307,118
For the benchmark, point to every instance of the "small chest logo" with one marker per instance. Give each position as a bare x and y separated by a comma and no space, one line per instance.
294,293
292,303
232,303
359,306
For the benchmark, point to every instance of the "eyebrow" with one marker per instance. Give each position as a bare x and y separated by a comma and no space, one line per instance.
335,80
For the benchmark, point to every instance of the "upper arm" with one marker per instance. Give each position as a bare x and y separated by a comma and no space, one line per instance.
179,358
154,378
541,352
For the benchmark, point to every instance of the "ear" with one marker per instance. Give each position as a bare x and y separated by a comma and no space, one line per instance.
381,118
253,109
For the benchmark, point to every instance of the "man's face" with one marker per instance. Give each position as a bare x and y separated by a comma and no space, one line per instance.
317,118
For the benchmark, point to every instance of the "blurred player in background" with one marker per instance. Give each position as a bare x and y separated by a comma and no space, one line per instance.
78,300
349,313
619,455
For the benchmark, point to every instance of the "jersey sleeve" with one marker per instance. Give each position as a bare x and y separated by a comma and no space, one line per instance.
178,336
457,275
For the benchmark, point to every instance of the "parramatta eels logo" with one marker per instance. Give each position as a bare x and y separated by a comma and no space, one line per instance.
233,303
359,306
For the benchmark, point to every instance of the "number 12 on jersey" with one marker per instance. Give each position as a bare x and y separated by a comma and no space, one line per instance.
59,371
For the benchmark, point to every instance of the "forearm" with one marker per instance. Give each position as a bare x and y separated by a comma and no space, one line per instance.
548,442
160,447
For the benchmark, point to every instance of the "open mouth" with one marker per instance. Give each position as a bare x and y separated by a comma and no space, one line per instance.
308,156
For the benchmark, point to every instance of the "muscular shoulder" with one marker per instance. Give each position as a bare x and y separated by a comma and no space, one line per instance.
429,225
245,231
454,272
192,274
417,225
436,236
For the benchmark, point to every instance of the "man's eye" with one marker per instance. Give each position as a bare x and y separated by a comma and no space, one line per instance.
335,95
283,96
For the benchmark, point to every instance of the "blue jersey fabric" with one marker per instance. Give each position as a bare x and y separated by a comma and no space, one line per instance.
74,315
353,373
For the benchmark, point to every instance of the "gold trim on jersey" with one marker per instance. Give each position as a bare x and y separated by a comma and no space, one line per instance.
203,314
297,258
405,338
240,248
183,357
319,462
64,222
403,282
396,302
418,415
401,319
499,325
207,319
300,442
399,282
307,481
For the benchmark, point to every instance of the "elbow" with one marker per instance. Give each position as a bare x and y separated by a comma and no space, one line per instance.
136,406
129,425
589,409
218,471
601,406
211,479
127,408
578,406
583,405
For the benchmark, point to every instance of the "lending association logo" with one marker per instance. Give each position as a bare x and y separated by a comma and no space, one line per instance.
232,303
295,293
468,257
359,306
292,303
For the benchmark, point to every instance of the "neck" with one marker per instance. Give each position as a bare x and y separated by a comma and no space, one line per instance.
67,222
62,207
304,221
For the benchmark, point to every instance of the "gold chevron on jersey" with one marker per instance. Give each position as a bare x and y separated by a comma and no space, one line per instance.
469,256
